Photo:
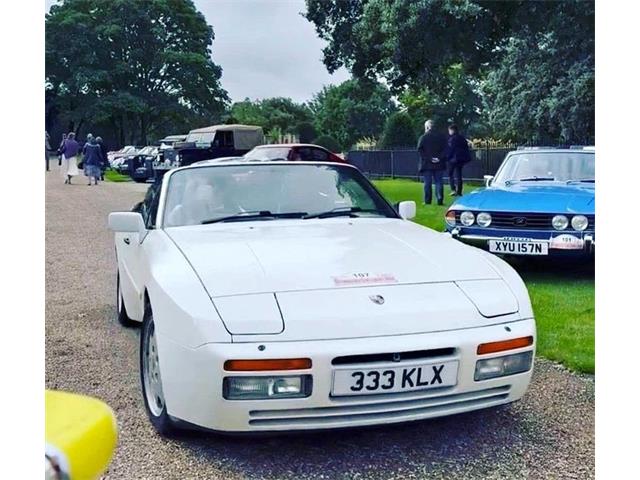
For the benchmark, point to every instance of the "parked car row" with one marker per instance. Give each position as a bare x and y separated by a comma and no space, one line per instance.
210,144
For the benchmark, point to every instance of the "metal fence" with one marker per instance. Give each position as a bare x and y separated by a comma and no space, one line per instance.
403,163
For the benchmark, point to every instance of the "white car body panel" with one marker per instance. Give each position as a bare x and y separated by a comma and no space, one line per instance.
193,390
309,288
294,255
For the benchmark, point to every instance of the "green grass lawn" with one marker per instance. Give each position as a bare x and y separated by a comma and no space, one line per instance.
113,176
562,294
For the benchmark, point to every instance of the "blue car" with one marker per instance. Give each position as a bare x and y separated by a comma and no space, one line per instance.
540,202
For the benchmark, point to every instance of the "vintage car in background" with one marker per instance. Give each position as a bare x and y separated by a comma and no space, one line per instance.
213,142
140,166
293,151
290,295
540,202
170,140
123,152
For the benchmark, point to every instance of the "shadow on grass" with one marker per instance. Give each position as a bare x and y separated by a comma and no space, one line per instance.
553,270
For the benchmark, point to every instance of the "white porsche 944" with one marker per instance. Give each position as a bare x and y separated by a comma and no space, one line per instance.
288,296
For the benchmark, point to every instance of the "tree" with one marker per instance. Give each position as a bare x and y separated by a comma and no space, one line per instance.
270,113
306,132
142,67
445,50
399,131
328,142
352,110
542,90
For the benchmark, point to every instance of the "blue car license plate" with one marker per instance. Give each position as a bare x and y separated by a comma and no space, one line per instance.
512,247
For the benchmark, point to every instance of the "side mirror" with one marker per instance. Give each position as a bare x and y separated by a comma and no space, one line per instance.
407,209
488,179
127,222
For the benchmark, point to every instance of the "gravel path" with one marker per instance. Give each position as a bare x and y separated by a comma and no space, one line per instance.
549,434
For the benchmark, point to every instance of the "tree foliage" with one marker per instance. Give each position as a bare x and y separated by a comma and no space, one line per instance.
306,132
278,113
352,110
458,57
328,142
542,89
142,67
399,131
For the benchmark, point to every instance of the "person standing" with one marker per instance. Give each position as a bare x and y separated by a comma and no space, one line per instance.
64,137
105,161
92,160
47,149
69,154
432,149
458,155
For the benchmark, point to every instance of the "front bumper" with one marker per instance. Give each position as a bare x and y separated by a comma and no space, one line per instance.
482,240
193,378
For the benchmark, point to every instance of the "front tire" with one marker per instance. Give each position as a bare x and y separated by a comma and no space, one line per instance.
123,317
151,379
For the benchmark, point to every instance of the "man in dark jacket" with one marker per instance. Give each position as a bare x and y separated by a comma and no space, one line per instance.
105,161
432,149
458,155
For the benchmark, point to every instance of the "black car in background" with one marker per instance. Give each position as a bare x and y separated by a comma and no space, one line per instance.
140,166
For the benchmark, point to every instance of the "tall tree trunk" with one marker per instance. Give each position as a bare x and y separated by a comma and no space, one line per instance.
143,129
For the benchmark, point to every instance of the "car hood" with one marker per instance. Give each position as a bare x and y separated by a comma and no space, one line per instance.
542,197
297,255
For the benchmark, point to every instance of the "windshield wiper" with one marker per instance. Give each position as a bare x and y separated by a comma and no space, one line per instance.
536,179
264,214
582,180
340,212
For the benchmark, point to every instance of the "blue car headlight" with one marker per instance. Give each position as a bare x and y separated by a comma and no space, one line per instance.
467,218
579,223
560,222
484,219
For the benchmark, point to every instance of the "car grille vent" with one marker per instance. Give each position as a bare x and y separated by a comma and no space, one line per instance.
527,221
393,357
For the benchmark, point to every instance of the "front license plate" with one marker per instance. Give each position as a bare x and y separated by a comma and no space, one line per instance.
519,248
392,379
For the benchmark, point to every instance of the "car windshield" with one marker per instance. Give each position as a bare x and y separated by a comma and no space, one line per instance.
269,153
547,166
268,191
201,139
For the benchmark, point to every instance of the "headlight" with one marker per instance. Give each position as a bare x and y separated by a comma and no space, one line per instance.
503,366
264,388
560,222
467,219
579,222
450,218
484,219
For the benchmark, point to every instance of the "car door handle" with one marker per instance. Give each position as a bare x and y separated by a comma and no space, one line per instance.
127,241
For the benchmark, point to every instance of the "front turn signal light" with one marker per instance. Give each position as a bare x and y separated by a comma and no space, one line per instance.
267,365
503,345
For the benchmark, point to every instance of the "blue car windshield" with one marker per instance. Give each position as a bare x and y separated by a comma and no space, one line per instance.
547,166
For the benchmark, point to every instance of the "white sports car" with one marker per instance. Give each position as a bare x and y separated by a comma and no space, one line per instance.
291,296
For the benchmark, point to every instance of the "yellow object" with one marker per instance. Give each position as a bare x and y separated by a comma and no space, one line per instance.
80,435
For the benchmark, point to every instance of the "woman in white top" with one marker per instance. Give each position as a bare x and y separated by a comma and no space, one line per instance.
70,150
